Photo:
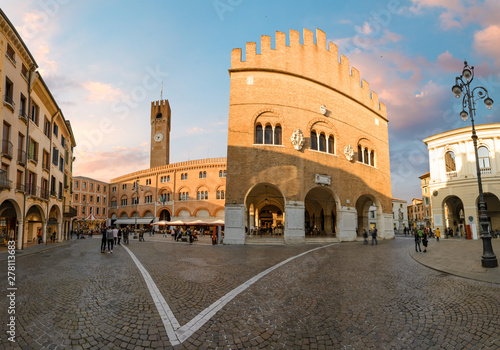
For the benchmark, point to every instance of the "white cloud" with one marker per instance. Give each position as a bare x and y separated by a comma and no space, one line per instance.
100,92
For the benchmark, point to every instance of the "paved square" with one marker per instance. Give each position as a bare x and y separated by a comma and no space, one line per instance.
343,296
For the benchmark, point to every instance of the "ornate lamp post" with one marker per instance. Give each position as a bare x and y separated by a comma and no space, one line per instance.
462,84
136,188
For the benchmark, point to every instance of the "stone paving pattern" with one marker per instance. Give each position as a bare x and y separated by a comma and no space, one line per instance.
348,296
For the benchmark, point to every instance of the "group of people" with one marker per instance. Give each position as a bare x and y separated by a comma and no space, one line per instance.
373,235
112,237
422,235
191,235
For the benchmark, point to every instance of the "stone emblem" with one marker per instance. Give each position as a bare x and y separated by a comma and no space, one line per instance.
298,139
349,152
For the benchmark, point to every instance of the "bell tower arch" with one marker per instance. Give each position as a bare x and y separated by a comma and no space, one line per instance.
160,133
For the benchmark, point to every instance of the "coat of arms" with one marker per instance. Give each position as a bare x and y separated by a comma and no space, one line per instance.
297,139
349,152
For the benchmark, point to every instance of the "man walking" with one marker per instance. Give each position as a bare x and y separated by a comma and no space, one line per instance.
115,234
438,234
111,239
365,236
418,235
374,236
103,240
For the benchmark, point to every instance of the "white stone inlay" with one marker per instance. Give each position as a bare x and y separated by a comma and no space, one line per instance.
176,333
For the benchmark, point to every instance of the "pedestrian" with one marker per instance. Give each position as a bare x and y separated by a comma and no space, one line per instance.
119,236
190,236
141,235
438,234
450,231
111,239
126,232
374,236
417,241
103,240
115,234
365,236
424,242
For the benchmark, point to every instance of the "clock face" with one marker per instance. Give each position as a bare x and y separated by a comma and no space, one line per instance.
158,137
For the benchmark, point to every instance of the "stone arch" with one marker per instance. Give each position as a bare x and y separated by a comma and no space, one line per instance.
454,215
145,212
268,205
267,114
183,212
369,214
164,214
10,212
200,212
123,214
34,223
321,212
219,212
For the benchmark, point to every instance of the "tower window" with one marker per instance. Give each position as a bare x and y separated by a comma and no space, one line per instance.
158,116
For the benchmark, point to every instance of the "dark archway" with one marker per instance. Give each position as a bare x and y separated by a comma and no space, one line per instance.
320,218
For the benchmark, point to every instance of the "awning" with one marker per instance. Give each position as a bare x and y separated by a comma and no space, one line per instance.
132,221
207,221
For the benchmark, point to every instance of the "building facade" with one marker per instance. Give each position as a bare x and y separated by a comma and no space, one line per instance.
186,192
416,213
36,151
90,200
307,143
399,214
453,184
426,200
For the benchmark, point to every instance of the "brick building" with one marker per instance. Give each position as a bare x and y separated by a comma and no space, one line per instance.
187,192
307,143
90,199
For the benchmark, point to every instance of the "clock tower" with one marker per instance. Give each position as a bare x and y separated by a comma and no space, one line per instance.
160,133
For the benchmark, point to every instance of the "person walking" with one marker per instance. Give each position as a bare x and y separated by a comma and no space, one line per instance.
103,240
115,234
125,236
424,241
417,242
111,239
365,236
374,236
119,236
438,234
141,235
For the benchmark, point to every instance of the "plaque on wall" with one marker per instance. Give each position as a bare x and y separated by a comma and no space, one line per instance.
323,180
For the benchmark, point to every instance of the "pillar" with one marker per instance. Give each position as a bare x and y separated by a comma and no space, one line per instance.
234,232
294,223
20,232
44,232
346,224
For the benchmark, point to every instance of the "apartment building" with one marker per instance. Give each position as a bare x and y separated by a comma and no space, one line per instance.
90,200
36,149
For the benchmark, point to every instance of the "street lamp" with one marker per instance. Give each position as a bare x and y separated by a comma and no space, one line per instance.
136,188
462,84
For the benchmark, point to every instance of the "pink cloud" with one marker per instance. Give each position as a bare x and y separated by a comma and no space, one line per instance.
108,165
99,92
486,42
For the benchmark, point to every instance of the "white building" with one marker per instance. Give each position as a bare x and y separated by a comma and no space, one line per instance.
453,178
399,214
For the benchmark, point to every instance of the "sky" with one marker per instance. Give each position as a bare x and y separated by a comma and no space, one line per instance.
105,61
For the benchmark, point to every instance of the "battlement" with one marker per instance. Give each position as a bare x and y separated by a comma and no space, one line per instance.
160,103
313,61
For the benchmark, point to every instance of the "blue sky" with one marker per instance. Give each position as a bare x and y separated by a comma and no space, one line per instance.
105,61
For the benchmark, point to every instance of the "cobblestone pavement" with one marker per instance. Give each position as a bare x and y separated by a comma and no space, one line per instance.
347,295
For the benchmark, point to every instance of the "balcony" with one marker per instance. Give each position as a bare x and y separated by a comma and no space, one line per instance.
8,101
37,192
69,211
485,171
21,157
20,187
23,116
7,149
5,184
451,174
